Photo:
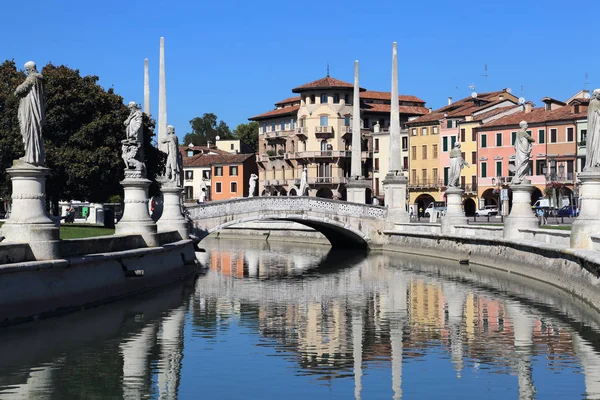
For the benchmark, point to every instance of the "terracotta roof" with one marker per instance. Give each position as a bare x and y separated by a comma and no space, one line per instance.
277,112
580,100
184,149
206,160
386,108
371,94
491,113
325,83
536,116
552,100
288,101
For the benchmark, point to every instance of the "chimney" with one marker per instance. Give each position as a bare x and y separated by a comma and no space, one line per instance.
449,100
430,110
501,97
527,108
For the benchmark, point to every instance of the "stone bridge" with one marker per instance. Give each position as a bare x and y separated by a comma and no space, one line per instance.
344,224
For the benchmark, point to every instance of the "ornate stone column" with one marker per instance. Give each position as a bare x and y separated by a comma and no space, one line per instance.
136,217
172,219
357,186
395,183
454,213
588,221
521,215
29,222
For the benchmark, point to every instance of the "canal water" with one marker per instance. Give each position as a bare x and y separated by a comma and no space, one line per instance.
295,321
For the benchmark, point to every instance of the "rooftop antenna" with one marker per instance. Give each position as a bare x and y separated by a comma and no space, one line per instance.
485,75
521,90
587,83
328,70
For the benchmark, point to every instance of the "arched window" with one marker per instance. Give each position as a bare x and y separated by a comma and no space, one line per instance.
336,98
323,145
283,172
293,149
324,98
273,172
312,99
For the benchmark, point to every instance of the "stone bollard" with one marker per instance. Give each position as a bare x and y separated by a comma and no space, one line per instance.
394,186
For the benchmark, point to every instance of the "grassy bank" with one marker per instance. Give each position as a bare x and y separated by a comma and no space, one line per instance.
80,231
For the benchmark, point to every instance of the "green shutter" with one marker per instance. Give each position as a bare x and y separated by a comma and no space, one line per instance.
446,172
445,143
452,141
483,141
513,137
484,170
498,168
542,136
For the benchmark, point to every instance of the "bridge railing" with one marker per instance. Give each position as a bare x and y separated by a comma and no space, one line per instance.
282,204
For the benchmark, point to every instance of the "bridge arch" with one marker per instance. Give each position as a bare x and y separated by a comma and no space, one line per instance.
345,225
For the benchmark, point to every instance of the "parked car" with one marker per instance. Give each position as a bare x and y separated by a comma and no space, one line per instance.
487,210
432,206
567,211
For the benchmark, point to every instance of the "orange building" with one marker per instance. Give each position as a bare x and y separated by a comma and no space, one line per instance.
231,174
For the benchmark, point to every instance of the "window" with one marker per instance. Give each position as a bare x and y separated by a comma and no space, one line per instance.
424,175
218,171
424,131
347,120
570,135
435,130
541,136
376,186
435,175
272,126
264,128
539,167
189,192
513,138
553,134
233,187
347,99
413,176
336,98
233,171
282,125
483,141
231,146
206,174
499,139
405,162
583,135
576,109
463,135
414,131
324,98
376,168
324,120
474,136
414,152
312,99
189,175
376,144
218,187
424,152
452,141
473,158
446,173
445,143
483,170
435,151
511,167
405,143
498,168
569,169
292,124
190,153
449,124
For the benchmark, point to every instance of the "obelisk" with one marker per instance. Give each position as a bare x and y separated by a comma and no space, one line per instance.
394,184
162,100
146,88
357,186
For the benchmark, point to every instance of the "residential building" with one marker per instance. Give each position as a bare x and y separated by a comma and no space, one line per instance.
314,130
553,157
433,135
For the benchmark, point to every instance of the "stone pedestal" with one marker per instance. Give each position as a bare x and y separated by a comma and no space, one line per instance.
454,211
29,222
521,215
588,221
394,188
172,218
136,218
356,191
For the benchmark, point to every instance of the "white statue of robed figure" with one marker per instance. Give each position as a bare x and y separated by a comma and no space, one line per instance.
32,115
592,159
457,163
303,190
132,147
252,185
174,164
523,146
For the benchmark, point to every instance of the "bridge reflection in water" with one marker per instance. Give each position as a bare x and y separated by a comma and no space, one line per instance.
335,317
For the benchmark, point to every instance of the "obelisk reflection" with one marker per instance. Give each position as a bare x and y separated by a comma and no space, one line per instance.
357,339
135,351
171,342
590,360
36,387
455,298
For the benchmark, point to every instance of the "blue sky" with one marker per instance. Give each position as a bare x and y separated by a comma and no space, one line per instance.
237,58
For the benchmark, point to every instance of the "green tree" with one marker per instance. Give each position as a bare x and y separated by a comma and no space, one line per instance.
82,136
205,129
248,133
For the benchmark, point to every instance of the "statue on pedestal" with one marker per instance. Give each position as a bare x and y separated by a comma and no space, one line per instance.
132,146
32,115
252,185
457,163
303,190
174,165
523,146
592,159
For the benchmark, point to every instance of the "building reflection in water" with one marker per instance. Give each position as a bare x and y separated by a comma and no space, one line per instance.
335,315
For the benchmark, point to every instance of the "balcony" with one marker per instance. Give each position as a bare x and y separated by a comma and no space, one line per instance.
426,183
469,188
323,132
320,154
273,182
327,180
277,134
262,158
302,132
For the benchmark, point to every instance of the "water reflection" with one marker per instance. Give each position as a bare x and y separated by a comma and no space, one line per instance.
305,321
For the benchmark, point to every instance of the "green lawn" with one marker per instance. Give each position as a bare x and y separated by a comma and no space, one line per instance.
80,231
557,227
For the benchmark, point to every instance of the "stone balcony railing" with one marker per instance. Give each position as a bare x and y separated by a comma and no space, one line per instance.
426,183
323,132
302,131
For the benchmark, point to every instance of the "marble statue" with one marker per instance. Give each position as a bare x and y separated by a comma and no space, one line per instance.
174,165
32,115
457,163
132,147
523,146
303,191
252,185
376,127
592,159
